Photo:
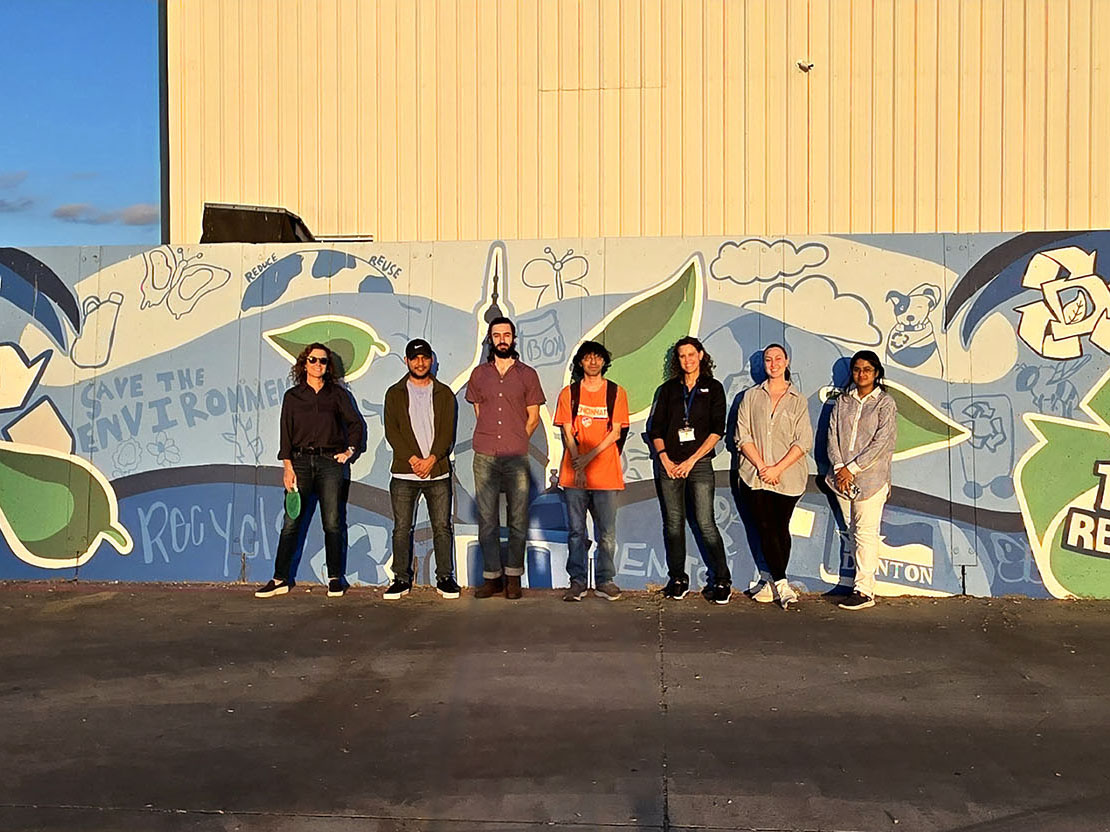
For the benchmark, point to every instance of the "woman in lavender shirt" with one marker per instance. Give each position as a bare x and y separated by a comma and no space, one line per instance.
862,432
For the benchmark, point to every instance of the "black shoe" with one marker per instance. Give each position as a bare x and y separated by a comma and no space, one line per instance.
271,589
717,593
397,589
336,587
857,601
448,588
676,588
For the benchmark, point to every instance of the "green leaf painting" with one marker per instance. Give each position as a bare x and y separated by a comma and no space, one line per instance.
1058,472
56,508
640,330
355,343
921,427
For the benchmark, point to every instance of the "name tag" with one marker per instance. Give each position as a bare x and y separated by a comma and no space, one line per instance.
685,434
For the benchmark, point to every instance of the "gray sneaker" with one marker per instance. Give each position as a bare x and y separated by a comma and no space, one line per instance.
608,590
575,592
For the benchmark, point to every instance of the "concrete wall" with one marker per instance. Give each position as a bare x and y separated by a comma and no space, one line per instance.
518,119
140,392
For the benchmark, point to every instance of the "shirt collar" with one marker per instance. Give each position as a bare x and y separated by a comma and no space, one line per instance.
854,393
791,390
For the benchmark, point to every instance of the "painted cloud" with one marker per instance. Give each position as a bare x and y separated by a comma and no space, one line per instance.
752,260
814,304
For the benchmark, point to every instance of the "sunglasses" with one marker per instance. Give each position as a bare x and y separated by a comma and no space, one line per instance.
312,359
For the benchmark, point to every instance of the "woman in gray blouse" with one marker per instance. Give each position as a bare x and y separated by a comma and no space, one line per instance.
774,434
862,433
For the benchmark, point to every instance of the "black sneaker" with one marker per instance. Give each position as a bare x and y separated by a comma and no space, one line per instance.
448,588
718,593
857,601
337,587
676,589
271,589
397,589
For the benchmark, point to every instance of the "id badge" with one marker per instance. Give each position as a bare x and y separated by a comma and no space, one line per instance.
685,434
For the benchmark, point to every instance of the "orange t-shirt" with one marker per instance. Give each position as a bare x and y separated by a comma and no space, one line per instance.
604,472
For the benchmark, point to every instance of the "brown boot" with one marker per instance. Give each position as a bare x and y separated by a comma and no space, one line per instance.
491,587
512,587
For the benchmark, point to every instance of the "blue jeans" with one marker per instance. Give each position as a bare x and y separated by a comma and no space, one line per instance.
320,476
492,475
694,494
603,506
404,495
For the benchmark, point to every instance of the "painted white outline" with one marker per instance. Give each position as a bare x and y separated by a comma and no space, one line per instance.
269,335
1042,548
41,360
6,433
25,555
694,260
962,432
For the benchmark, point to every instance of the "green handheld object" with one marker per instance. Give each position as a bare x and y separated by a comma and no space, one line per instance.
293,504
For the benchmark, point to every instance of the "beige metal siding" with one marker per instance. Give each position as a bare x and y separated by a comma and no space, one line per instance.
479,119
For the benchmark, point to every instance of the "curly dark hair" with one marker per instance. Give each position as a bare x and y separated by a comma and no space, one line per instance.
589,348
299,374
671,367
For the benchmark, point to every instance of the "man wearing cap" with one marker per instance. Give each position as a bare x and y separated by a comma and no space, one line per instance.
420,427
506,395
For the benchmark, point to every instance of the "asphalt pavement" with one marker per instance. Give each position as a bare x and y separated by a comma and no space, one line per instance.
166,708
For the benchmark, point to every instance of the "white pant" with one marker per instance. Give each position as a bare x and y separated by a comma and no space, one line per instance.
862,517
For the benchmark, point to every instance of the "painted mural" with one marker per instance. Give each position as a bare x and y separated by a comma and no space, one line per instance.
140,392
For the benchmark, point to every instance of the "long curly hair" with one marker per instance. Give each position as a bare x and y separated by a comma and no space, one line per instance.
671,367
299,373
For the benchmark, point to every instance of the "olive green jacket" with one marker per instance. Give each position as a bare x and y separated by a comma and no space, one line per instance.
399,433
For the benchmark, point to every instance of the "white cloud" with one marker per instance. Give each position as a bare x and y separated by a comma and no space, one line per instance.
142,213
82,212
12,178
814,305
754,260
11,206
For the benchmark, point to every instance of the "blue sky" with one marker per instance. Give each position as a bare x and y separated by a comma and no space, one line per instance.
79,144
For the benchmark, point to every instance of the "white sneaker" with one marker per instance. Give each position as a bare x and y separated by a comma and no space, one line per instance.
762,592
785,594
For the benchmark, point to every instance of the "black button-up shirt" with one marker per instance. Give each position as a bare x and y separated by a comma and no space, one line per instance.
707,415
326,420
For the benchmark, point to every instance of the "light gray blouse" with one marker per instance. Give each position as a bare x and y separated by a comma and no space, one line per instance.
862,435
774,432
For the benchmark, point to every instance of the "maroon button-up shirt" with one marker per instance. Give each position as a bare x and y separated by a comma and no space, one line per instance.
502,407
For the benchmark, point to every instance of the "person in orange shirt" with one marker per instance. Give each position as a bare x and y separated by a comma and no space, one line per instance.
593,414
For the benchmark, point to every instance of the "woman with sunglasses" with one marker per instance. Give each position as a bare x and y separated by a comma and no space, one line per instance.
320,432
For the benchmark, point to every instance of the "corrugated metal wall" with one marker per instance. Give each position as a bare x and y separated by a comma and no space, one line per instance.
480,119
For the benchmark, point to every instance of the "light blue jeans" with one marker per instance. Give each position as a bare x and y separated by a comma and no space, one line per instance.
603,506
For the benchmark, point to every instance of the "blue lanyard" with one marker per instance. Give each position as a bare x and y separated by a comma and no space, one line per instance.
689,399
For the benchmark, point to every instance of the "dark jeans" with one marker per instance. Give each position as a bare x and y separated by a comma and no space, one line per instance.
405,497
771,513
694,494
492,475
322,477
603,506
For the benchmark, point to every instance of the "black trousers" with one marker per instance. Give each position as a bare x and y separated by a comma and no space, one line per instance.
771,513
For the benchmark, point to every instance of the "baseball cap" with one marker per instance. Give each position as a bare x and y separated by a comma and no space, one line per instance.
417,346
